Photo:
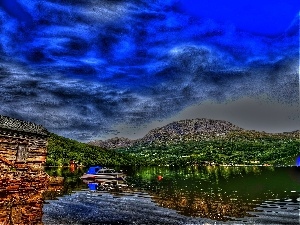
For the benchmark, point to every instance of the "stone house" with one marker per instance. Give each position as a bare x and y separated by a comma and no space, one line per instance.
22,203
22,144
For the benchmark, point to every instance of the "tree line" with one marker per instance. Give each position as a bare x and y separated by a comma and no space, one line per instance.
235,150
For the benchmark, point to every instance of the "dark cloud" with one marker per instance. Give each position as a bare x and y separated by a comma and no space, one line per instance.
83,67
14,9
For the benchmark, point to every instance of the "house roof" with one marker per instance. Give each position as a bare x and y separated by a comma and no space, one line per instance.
21,125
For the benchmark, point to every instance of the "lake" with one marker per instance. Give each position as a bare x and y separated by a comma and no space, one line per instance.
170,195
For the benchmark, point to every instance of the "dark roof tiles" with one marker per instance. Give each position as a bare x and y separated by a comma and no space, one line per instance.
21,125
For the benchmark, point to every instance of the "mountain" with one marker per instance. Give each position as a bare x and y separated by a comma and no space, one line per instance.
190,130
206,142
186,130
113,143
183,130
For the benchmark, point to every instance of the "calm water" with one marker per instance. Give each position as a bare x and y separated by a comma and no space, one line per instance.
168,195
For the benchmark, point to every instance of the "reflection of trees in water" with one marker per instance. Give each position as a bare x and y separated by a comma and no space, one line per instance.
212,205
71,181
207,173
211,192
54,189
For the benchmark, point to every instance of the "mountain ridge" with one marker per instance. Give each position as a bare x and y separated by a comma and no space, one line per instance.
187,130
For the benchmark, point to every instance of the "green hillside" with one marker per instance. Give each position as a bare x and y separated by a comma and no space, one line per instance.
61,150
238,148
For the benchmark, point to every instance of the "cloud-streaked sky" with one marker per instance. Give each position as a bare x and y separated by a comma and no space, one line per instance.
99,68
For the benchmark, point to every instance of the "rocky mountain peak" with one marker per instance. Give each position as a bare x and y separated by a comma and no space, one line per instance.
183,130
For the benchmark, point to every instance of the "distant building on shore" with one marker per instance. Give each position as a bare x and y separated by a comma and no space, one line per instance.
22,144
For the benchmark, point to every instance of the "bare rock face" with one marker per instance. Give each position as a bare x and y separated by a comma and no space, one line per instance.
113,143
183,130
194,129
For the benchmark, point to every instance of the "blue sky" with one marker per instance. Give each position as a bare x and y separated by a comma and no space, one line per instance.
97,69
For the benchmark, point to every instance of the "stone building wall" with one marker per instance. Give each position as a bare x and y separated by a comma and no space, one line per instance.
22,143
23,151
19,147
21,197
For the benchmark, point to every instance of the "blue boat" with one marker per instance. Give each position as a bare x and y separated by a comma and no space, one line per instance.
94,169
103,173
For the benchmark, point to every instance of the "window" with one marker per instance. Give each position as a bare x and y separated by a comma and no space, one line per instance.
22,153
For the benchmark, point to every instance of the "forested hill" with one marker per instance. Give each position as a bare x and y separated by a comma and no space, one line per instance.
186,142
190,130
61,150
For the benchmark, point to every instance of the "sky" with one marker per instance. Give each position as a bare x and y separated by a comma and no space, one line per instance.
96,69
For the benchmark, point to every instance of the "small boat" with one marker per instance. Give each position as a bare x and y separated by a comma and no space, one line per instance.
99,172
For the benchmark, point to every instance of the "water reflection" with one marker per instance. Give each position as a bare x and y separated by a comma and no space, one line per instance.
54,188
71,181
218,193
298,161
112,185
103,179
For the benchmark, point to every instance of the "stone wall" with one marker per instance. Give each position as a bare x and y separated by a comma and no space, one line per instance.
21,196
22,149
